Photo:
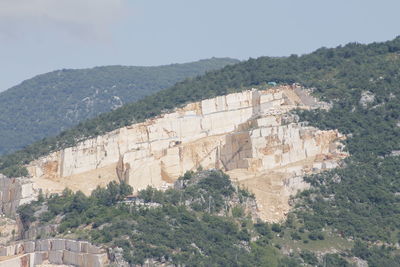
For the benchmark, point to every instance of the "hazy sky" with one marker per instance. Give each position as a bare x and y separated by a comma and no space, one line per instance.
38,36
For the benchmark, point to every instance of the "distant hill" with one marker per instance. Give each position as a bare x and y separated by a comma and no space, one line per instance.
349,214
50,103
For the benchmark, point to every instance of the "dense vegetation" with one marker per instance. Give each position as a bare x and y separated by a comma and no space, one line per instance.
50,103
203,221
360,201
208,228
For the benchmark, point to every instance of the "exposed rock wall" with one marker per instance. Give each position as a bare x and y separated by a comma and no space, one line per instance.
53,251
9,230
242,131
24,260
14,192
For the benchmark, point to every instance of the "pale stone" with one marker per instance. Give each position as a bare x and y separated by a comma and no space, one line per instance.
243,131
95,260
57,244
29,246
54,251
40,257
91,249
73,258
15,192
43,245
26,260
56,257
366,98
73,246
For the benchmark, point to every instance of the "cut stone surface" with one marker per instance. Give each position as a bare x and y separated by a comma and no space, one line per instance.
52,252
247,134
14,192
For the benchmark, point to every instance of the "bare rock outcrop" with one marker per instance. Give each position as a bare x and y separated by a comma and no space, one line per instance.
247,134
15,192
366,98
9,230
53,251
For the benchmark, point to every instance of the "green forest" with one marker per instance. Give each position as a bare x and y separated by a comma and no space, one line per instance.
203,223
357,205
53,102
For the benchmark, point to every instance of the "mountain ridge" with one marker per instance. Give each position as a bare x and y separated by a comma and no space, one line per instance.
346,216
315,70
52,102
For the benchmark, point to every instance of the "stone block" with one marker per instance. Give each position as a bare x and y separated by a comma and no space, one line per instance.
43,245
94,260
21,261
3,251
94,249
40,257
84,246
57,244
56,257
29,246
72,245
73,258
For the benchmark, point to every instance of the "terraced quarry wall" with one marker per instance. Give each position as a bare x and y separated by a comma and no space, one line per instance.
54,252
250,135
14,192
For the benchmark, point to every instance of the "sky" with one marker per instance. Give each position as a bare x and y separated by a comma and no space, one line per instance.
38,36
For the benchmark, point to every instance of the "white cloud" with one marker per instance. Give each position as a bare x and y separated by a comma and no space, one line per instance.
79,17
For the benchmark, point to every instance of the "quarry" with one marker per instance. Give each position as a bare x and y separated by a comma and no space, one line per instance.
253,136
269,161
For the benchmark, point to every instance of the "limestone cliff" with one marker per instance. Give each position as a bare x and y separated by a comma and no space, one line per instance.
249,135
53,251
14,192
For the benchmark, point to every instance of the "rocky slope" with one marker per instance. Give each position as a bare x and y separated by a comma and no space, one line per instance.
348,212
250,135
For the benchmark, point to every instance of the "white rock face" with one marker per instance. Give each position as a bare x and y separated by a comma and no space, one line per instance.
53,251
14,192
245,131
366,98
8,230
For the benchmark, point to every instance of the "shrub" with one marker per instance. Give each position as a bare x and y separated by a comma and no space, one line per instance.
276,228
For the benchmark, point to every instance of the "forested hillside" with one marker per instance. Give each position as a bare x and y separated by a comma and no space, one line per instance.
205,222
50,103
355,209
